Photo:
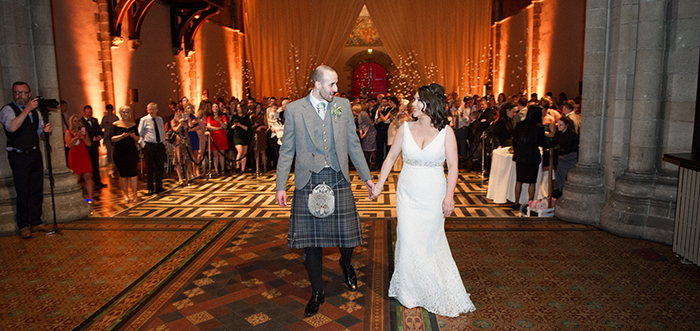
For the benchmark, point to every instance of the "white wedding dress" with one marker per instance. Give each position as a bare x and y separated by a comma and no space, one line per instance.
425,274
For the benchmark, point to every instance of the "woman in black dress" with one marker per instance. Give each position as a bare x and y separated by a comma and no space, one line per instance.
240,123
528,136
126,155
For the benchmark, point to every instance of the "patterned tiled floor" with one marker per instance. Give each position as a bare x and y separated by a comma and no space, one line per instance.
213,256
253,197
59,281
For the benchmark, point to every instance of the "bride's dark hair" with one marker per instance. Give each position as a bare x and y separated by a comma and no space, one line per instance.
433,98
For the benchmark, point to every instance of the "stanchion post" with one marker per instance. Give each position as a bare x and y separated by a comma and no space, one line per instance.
551,173
483,155
209,154
257,156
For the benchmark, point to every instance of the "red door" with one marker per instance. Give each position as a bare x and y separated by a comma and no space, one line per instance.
370,77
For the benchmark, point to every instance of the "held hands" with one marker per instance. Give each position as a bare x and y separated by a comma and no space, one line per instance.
370,189
448,206
376,192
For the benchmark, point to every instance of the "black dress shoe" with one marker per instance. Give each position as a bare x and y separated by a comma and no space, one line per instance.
150,192
317,298
159,191
350,278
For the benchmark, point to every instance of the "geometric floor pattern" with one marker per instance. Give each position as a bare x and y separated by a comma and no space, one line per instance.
253,197
213,256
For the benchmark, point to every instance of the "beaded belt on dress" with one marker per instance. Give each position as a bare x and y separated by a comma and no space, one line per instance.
423,163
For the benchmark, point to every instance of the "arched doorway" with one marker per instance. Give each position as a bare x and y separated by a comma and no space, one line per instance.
369,78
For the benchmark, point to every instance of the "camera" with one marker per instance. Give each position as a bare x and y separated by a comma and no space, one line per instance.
46,103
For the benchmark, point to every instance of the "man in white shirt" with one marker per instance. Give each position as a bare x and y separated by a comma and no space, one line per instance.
152,135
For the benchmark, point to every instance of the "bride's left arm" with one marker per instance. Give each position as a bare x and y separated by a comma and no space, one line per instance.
448,205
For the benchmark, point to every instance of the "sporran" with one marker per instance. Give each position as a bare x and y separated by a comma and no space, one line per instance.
322,201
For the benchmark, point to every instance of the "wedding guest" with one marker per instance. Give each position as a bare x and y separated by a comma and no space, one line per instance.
78,157
568,111
382,120
107,119
194,130
216,125
527,138
501,100
124,136
460,124
367,134
567,141
95,134
504,126
151,132
396,123
240,123
179,125
260,135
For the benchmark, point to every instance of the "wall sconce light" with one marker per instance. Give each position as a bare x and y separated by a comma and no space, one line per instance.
369,51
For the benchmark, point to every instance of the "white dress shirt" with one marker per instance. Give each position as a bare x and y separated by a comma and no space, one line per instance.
147,132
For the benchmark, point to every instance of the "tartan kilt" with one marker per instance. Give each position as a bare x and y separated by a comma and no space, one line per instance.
340,229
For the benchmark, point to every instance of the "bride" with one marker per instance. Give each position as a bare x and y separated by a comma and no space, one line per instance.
425,274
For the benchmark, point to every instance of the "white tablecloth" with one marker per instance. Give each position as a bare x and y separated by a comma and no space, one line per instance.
501,186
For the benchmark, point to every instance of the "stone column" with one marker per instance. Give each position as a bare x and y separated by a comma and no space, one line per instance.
628,209
27,54
584,190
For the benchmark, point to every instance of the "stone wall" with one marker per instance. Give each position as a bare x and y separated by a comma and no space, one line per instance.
27,54
639,94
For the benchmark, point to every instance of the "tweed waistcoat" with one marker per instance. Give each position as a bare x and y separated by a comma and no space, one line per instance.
325,144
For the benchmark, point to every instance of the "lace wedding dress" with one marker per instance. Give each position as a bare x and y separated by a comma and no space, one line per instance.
425,274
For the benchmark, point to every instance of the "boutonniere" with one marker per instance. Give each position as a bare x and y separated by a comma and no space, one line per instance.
336,110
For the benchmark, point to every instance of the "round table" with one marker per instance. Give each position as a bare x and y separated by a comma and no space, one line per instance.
501,187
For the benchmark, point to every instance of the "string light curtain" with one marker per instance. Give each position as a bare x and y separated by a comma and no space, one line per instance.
287,39
442,41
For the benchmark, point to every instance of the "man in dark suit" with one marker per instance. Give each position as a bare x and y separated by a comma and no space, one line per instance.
94,133
320,130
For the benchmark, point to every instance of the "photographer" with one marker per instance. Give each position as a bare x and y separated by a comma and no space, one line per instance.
23,127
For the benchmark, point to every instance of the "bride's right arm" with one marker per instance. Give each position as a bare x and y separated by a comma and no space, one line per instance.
390,159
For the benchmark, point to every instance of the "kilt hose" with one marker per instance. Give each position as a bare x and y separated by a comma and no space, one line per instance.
340,229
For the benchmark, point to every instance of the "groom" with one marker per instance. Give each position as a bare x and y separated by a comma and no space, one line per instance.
321,132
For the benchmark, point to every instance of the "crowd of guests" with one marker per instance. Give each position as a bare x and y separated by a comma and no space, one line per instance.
482,124
246,135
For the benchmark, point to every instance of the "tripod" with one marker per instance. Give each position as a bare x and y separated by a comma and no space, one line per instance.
45,114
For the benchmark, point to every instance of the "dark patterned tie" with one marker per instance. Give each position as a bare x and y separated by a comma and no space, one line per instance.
155,124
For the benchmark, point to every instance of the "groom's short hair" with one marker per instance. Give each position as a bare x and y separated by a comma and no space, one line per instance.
317,75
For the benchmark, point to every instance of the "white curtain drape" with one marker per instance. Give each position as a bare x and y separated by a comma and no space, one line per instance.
442,41
287,39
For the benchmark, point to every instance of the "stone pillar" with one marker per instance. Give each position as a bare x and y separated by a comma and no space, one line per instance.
27,54
628,209
584,190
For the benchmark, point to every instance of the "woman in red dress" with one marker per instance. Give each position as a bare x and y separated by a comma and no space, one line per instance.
78,158
216,125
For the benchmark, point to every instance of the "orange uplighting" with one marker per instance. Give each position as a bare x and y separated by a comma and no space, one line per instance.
121,72
234,46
